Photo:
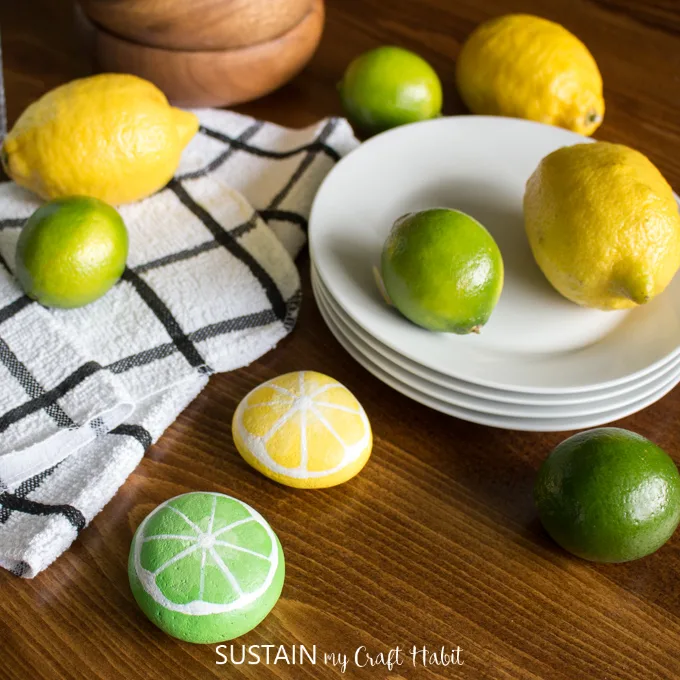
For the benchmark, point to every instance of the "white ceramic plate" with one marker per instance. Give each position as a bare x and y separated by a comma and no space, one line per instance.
488,393
536,341
549,414
669,377
504,422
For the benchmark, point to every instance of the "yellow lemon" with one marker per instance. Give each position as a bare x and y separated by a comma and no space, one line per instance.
113,137
603,225
523,66
303,429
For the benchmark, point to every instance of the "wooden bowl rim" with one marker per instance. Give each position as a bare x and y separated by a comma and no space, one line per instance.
81,6
314,7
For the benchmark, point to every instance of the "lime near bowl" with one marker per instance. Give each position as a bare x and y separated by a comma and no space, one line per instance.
608,495
442,270
389,86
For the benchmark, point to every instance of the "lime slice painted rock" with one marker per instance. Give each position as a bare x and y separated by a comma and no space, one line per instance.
205,567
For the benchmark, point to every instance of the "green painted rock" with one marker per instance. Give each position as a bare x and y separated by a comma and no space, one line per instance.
205,567
609,495
442,270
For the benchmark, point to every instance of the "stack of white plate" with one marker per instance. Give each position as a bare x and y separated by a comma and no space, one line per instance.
541,363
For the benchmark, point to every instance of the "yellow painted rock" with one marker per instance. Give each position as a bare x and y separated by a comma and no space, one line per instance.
303,429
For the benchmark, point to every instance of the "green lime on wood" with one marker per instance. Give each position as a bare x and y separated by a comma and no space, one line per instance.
442,270
71,251
390,86
609,495
205,567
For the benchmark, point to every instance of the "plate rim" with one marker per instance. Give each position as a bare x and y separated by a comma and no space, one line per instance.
481,418
508,397
670,382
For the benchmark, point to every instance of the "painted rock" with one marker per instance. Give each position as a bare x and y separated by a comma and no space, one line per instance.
303,429
205,567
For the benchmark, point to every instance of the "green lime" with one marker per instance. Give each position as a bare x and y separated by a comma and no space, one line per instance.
71,251
442,270
390,86
609,495
205,567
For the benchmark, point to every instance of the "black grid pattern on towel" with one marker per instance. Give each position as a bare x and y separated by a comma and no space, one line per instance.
180,341
17,500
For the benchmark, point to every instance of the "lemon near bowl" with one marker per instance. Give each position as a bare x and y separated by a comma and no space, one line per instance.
303,429
112,136
525,66
603,225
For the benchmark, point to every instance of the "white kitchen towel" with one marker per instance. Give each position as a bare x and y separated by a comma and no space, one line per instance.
210,286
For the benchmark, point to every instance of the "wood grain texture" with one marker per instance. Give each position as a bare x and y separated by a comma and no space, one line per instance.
437,541
211,77
199,24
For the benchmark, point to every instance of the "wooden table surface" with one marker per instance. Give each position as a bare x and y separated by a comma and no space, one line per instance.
437,541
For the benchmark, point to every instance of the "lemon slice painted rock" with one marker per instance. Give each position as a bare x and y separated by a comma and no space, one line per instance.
205,567
303,429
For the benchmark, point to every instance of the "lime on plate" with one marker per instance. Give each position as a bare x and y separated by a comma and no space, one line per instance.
442,270
205,567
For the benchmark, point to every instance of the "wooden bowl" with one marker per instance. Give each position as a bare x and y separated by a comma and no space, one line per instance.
197,24
212,78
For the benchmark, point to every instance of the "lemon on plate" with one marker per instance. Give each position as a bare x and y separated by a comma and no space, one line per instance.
524,66
110,136
71,251
390,86
603,225
442,270
304,430
205,567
